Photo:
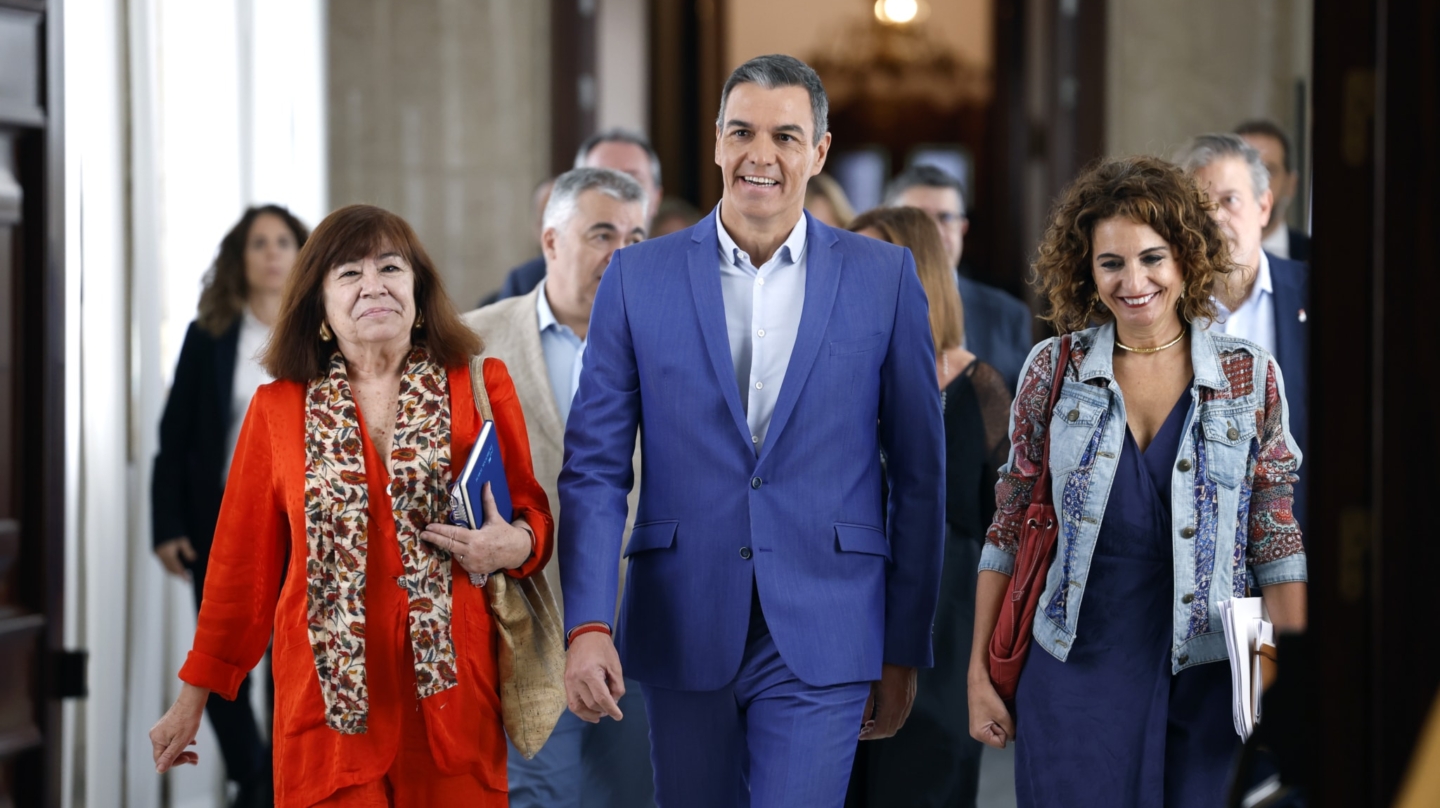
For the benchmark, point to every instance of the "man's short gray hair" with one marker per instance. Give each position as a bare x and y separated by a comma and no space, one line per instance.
565,196
620,135
776,71
1203,150
923,175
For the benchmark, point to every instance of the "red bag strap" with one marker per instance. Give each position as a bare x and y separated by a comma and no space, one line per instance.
1040,494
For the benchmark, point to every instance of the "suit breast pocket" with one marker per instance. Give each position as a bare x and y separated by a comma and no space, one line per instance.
863,345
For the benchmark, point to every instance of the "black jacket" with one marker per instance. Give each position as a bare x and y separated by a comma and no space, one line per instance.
187,485
519,281
1290,280
1299,246
998,328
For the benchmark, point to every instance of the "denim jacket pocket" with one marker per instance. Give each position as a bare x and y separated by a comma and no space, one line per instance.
1072,424
1228,435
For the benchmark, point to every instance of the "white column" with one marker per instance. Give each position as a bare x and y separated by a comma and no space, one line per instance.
622,56
97,430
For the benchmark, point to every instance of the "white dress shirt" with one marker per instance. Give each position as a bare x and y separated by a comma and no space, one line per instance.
762,316
564,354
249,375
1255,318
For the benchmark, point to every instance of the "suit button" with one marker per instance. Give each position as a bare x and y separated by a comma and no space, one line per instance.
755,482
1188,597
1232,433
1187,533
1184,465
745,553
1072,416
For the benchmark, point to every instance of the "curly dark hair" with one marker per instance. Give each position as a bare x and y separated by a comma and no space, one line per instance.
224,289
1147,190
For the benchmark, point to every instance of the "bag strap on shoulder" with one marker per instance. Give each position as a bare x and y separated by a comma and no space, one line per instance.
477,388
1041,492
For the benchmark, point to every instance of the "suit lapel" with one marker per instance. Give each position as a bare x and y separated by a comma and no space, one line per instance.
1289,303
822,282
227,348
704,260
525,326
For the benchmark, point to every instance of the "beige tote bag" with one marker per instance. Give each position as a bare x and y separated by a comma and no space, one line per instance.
532,643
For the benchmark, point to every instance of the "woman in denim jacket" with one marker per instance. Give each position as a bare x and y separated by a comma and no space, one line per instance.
1172,465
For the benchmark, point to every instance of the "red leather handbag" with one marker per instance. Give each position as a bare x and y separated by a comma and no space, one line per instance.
1011,640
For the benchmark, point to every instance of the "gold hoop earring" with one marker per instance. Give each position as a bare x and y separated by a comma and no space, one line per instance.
419,321
325,334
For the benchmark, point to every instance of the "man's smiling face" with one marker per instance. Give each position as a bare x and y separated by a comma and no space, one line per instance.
766,149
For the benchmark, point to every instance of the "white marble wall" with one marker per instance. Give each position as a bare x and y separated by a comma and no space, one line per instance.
440,112
1177,68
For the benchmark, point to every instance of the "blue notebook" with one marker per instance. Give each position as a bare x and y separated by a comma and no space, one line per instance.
467,507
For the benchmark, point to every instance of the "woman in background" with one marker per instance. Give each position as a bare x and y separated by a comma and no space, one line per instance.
218,372
932,760
826,201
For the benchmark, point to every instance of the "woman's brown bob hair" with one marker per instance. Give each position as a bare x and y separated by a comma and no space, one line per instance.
1146,190
911,227
354,232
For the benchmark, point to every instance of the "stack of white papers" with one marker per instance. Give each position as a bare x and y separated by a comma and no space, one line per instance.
1247,626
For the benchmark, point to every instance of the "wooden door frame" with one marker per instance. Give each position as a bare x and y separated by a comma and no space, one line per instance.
687,71
574,91
1047,116
1374,287
40,347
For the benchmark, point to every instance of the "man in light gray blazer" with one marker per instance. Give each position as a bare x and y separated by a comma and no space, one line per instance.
540,336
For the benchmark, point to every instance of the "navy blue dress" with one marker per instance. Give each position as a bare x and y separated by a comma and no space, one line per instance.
1111,726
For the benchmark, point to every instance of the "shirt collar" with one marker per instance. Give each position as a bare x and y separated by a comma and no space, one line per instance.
789,252
543,310
1263,286
1262,277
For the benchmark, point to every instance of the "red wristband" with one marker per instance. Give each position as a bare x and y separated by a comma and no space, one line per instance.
578,630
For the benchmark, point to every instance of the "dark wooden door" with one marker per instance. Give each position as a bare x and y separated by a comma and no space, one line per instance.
31,411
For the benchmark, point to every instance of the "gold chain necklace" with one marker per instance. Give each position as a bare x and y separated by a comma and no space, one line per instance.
1171,344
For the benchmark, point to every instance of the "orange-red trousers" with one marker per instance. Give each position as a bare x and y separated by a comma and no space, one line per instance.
414,781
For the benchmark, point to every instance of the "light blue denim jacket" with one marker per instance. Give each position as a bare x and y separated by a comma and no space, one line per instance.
1231,521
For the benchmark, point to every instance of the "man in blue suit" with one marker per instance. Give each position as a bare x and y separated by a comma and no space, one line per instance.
1264,300
775,609
998,328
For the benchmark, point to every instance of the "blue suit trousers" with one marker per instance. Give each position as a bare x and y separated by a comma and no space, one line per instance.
764,741
604,765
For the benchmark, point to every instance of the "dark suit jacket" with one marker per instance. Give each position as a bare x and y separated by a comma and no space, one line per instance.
519,282
186,488
997,328
1291,282
1299,246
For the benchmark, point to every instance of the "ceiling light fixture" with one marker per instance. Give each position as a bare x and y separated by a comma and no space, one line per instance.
898,12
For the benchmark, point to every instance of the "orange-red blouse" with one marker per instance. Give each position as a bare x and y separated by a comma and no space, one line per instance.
256,584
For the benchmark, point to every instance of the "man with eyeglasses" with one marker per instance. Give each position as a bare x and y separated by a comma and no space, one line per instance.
997,326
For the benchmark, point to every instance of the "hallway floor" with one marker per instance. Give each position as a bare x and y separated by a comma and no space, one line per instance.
997,778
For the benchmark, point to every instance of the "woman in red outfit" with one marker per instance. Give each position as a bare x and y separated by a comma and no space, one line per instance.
332,537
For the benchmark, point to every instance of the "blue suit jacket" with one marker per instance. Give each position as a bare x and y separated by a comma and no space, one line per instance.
844,585
998,328
1291,283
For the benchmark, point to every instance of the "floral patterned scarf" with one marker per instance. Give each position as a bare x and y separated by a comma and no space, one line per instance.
336,502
